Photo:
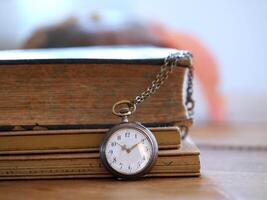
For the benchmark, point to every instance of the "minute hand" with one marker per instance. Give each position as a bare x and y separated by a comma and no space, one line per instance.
135,145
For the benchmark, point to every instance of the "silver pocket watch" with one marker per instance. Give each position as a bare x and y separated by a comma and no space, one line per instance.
129,150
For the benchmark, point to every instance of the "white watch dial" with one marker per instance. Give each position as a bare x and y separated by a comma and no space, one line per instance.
128,151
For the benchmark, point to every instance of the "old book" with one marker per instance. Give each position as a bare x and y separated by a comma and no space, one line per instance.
176,162
76,87
80,140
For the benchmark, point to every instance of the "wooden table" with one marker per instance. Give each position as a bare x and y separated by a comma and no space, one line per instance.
234,166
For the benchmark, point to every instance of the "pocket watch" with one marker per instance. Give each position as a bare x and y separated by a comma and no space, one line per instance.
129,150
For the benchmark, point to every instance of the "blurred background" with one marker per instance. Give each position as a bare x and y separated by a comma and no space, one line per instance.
228,39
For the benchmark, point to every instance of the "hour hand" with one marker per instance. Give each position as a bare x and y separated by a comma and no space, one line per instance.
123,147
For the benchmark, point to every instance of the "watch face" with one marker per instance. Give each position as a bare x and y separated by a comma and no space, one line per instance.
129,150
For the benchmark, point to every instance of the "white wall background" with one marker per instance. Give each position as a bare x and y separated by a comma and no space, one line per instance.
236,31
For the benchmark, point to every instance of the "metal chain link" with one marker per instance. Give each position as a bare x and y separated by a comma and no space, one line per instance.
170,62
190,103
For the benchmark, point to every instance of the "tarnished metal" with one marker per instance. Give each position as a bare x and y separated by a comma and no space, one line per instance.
175,59
123,108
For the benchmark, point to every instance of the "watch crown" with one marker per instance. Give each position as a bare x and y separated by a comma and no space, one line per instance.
124,119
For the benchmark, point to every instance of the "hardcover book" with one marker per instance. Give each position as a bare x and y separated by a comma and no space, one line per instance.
77,87
176,162
79,140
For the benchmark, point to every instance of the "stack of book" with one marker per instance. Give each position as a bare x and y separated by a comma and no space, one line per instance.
56,108
74,153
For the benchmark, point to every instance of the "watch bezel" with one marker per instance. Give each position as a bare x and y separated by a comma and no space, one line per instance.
150,137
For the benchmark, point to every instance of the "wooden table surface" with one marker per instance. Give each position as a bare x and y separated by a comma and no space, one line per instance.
234,166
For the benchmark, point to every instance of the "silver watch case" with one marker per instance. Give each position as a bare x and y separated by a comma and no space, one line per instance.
151,138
